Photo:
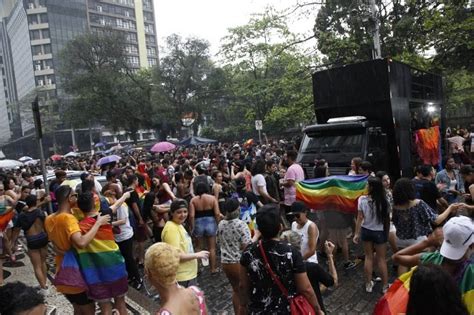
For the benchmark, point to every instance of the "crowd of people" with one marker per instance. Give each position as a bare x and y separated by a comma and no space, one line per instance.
233,209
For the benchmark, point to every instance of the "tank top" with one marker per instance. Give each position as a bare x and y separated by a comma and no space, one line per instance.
452,184
303,231
3,205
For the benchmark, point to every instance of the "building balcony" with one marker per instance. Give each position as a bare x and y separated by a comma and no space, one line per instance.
36,10
38,26
113,26
41,41
131,5
44,72
42,57
131,17
46,87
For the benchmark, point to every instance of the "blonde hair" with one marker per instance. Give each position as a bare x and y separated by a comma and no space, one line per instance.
162,262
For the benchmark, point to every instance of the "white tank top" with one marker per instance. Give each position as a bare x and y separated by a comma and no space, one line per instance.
303,232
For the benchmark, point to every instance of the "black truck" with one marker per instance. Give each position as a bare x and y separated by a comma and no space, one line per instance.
370,110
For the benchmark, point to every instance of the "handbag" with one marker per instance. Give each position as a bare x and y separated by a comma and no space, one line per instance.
299,305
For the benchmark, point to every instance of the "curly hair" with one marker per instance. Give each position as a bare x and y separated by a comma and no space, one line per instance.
403,191
17,297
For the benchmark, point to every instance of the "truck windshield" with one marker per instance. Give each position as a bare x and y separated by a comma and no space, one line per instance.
345,144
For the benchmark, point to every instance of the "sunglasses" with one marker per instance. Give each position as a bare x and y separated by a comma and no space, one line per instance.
297,215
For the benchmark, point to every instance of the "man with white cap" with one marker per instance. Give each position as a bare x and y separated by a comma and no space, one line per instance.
457,246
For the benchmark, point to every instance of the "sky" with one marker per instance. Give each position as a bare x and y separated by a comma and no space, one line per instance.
210,19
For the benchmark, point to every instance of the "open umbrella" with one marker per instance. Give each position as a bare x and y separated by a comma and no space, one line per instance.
32,162
163,146
10,164
25,159
71,183
108,159
56,157
196,141
71,154
100,144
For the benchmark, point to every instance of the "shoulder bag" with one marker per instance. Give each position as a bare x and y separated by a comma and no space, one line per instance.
299,305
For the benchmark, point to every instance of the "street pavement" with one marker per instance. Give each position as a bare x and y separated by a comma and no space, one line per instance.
348,298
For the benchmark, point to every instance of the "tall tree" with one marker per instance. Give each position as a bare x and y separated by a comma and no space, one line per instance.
183,77
270,78
105,91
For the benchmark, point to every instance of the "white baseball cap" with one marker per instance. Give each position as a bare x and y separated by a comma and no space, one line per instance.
458,236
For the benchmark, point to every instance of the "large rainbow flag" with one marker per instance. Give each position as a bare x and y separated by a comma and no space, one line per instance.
99,268
332,193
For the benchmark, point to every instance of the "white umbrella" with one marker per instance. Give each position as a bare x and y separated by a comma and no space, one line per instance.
10,164
71,154
25,159
32,162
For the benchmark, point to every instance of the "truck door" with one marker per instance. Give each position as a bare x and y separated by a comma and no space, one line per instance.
377,149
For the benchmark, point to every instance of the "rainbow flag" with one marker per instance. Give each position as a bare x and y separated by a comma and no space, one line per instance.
99,268
395,300
332,193
4,219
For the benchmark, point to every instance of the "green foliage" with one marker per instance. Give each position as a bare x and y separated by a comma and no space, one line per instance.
186,78
268,77
104,90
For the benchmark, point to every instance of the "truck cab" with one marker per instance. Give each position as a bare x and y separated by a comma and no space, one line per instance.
339,141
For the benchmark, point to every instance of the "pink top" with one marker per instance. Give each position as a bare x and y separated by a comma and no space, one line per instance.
296,173
199,295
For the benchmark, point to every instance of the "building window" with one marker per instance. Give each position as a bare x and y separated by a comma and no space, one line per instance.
151,51
35,34
132,37
44,18
133,61
33,19
47,49
151,62
44,33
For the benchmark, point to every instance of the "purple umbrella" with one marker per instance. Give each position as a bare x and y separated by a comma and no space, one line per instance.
164,146
108,159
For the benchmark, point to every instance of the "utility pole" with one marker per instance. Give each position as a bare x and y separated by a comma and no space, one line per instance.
39,139
376,51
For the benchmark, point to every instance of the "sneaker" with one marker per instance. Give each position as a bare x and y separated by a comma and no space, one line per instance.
369,286
138,284
349,265
377,279
44,292
385,288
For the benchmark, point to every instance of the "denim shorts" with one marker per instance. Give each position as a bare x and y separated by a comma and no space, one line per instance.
376,237
205,226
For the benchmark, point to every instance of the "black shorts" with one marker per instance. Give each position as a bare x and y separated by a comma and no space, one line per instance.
78,299
376,237
139,234
37,241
